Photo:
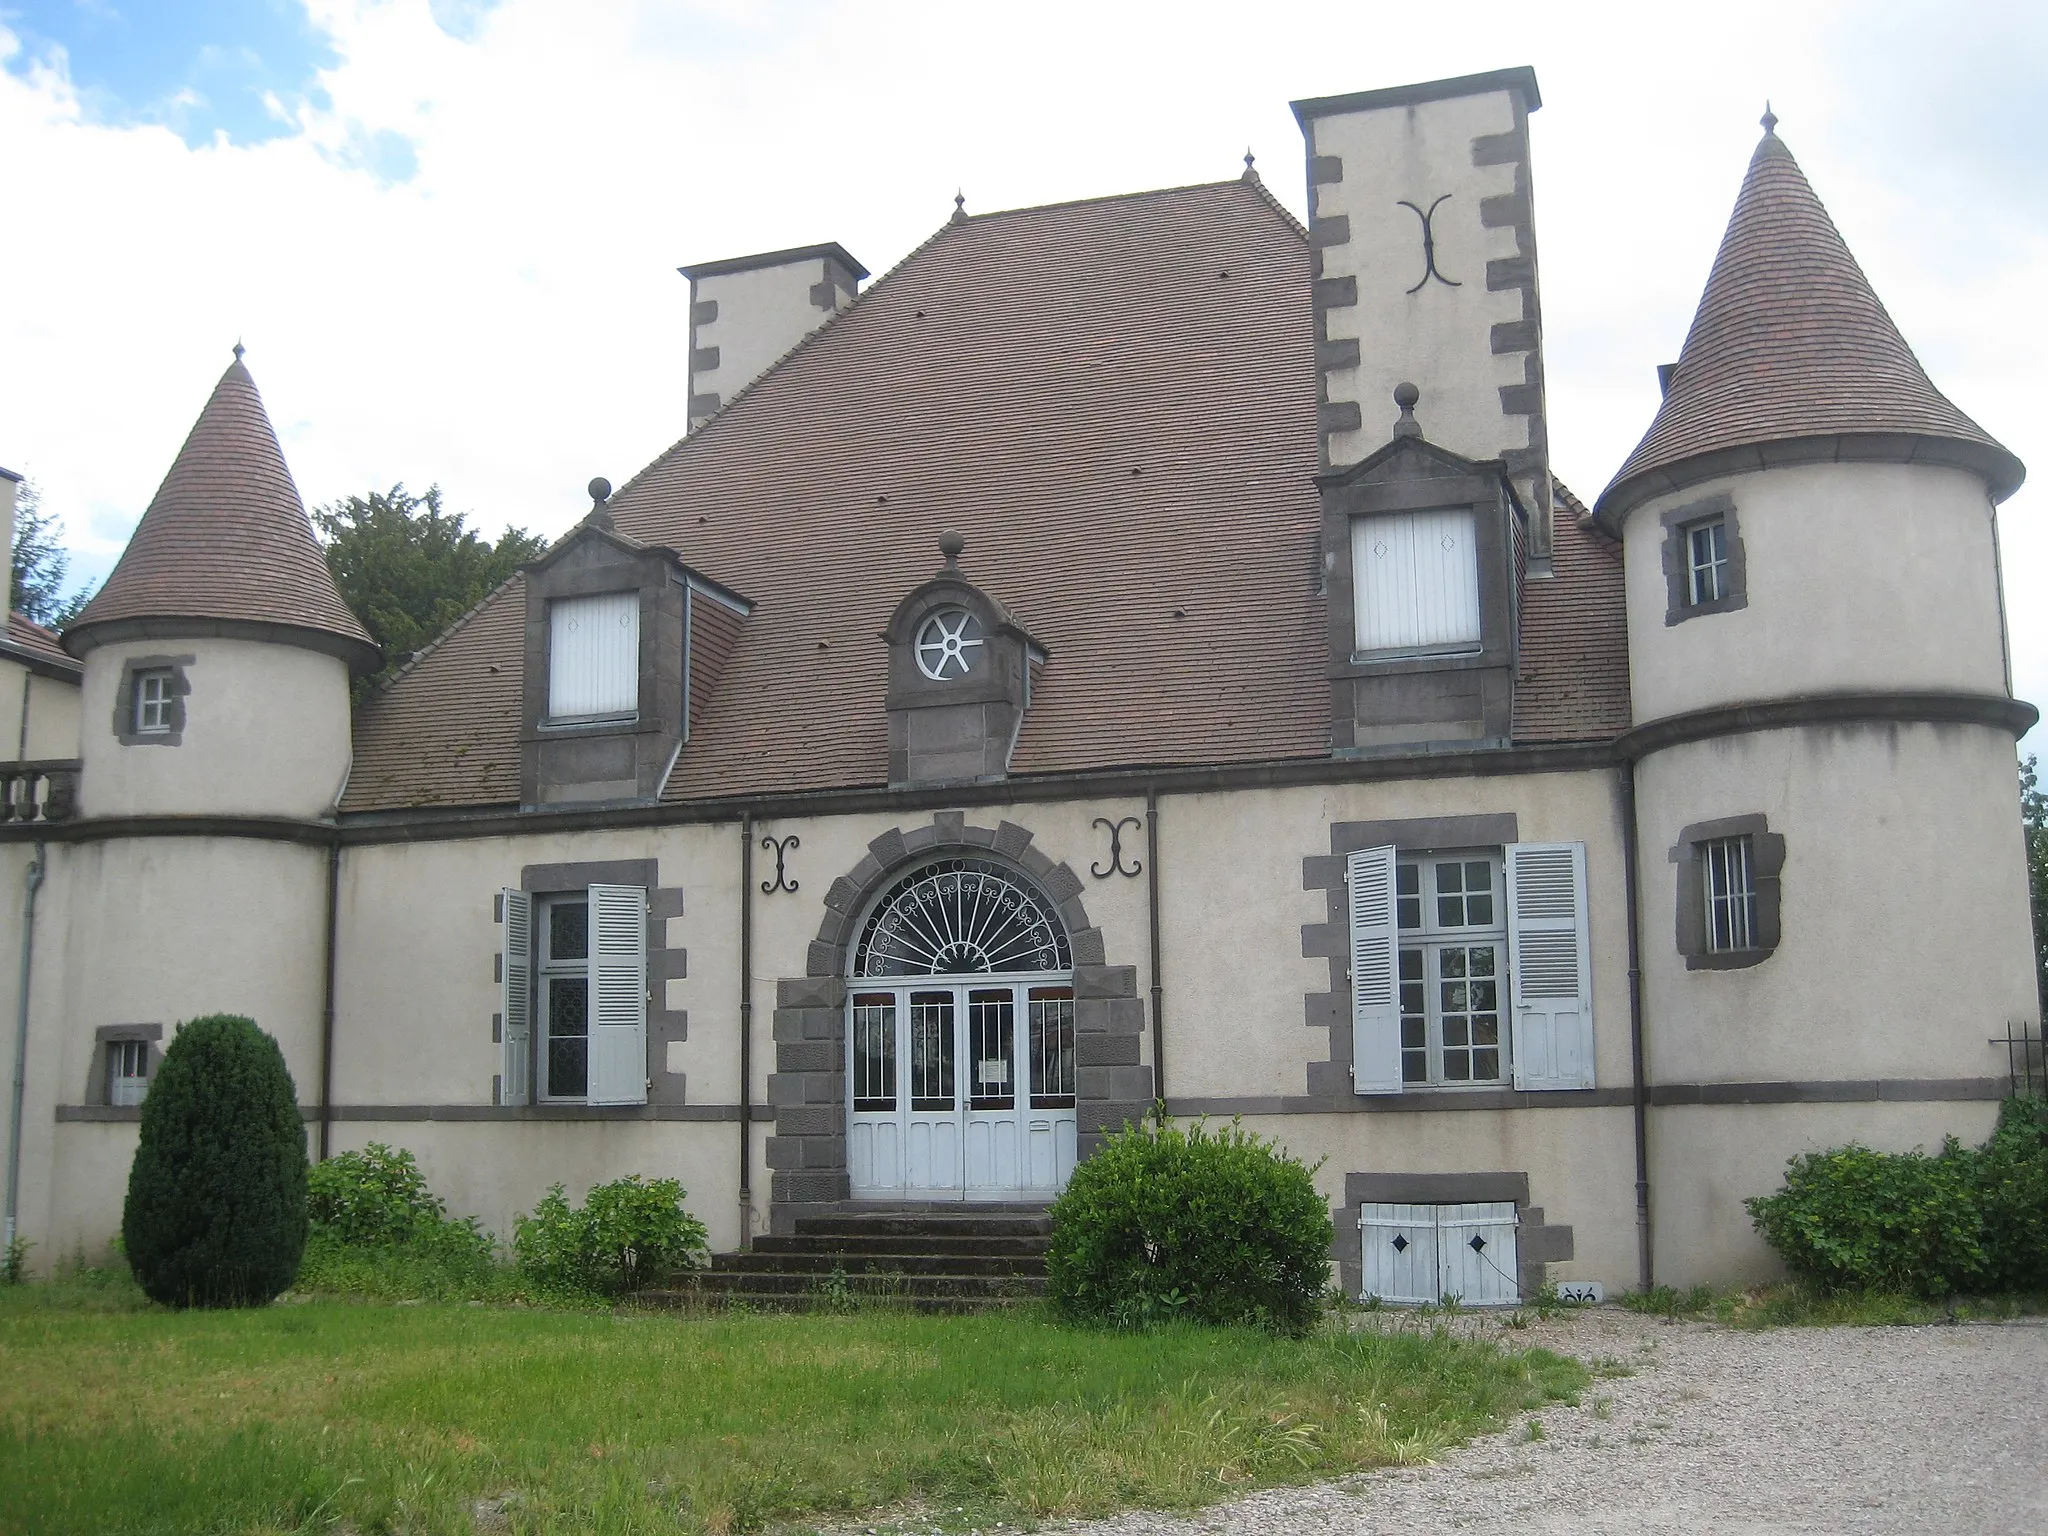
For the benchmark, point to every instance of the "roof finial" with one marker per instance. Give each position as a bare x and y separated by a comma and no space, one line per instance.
960,207
950,545
1769,119
1251,172
600,513
1405,396
238,349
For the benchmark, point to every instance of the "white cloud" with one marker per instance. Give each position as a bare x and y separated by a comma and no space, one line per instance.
507,320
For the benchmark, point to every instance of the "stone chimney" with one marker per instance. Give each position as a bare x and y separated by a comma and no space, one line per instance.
1422,224
747,311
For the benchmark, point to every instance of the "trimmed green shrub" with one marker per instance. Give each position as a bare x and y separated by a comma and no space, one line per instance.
629,1233
216,1210
1212,1226
1961,1220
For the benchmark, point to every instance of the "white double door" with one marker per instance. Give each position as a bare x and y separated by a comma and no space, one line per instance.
960,1090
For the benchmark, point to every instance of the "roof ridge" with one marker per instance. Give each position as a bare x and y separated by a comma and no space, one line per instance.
1112,197
1273,202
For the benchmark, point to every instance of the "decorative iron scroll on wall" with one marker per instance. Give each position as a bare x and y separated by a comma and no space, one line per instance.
781,845
1429,266
1116,849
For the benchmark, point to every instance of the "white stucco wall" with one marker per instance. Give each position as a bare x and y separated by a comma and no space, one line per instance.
1439,338
266,733
49,727
1860,576
1906,938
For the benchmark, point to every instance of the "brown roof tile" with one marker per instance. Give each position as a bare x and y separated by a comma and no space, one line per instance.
30,638
1791,342
226,537
1572,684
1114,402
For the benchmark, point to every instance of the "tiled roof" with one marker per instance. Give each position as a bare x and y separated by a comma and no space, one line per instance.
1114,402
1572,684
1791,343
32,639
226,537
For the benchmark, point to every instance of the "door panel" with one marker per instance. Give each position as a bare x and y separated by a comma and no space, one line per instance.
932,1168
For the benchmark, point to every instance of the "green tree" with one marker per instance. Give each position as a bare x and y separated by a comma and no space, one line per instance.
2034,818
216,1210
410,568
40,563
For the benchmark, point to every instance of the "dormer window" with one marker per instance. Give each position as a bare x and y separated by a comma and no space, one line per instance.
949,644
1415,582
594,657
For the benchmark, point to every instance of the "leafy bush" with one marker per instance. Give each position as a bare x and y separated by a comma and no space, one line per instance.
1214,1226
216,1210
629,1233
379,1231
1852,1219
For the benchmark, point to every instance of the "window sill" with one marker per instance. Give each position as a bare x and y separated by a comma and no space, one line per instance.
1728,959
587,722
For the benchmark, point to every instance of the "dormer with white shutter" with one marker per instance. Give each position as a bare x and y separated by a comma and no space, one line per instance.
623,643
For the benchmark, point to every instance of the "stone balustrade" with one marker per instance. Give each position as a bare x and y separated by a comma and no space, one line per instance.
39,791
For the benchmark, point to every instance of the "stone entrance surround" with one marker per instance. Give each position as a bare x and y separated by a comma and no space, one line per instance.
807,1090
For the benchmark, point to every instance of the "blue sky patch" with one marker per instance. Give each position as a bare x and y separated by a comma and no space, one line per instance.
198,69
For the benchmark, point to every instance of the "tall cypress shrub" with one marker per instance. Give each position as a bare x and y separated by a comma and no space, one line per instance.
216,1212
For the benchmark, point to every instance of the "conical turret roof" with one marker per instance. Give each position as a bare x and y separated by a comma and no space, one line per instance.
226,543
1792,358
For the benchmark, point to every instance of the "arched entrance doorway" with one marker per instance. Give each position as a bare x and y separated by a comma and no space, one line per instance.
960,1039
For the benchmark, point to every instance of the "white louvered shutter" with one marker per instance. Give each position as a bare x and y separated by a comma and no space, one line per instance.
594,655
1550,965
515,998
1375,973
618,994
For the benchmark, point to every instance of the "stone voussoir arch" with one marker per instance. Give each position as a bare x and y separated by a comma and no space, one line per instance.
807,1090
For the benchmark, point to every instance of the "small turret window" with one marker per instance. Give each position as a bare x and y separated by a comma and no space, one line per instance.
155,699
1706,551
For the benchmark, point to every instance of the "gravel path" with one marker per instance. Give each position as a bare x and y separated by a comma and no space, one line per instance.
1936,1429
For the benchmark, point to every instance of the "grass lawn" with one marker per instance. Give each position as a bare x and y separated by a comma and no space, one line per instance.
330,1415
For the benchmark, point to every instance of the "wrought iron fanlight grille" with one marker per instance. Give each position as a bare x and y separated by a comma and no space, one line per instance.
960,917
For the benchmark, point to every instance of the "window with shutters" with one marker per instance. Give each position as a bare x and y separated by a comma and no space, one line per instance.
574,1023
1415,582
594,658
1452,922
1470,969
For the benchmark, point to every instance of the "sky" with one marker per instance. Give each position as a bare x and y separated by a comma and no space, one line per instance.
447,230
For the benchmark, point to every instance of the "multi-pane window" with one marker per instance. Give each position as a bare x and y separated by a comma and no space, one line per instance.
1452,923
153,701
931,1051
565,997
874,1051
1728,865
1706,561
1052,1047
127,1071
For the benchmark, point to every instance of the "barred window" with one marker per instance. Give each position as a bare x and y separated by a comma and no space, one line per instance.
1728,865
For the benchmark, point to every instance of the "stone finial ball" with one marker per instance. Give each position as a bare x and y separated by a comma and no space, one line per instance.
1405,396
600,488
950,545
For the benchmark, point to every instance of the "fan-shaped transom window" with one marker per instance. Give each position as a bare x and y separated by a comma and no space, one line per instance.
961,917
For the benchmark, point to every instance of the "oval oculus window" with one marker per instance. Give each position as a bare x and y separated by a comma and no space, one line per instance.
948,644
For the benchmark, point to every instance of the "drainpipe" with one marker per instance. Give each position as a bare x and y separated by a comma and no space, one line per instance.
1152,918
28,942
327,1000
746,1031
1639,1090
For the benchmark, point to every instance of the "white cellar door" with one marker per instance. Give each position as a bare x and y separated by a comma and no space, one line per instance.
1476,1253
1397,1250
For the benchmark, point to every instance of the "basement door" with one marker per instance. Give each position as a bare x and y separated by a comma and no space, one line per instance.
960,1090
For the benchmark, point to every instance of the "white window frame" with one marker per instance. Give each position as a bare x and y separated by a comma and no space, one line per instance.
155,700
590,682
1427,942
1728,872
127,1072
1397,613
1706,581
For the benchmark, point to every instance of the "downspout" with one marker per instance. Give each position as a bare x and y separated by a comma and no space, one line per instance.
746,1032
1639,1090
28,944
1152,919
327,999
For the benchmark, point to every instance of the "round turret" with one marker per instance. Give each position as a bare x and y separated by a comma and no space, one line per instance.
218,654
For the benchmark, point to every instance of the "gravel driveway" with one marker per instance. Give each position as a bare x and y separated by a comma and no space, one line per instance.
1936,1429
